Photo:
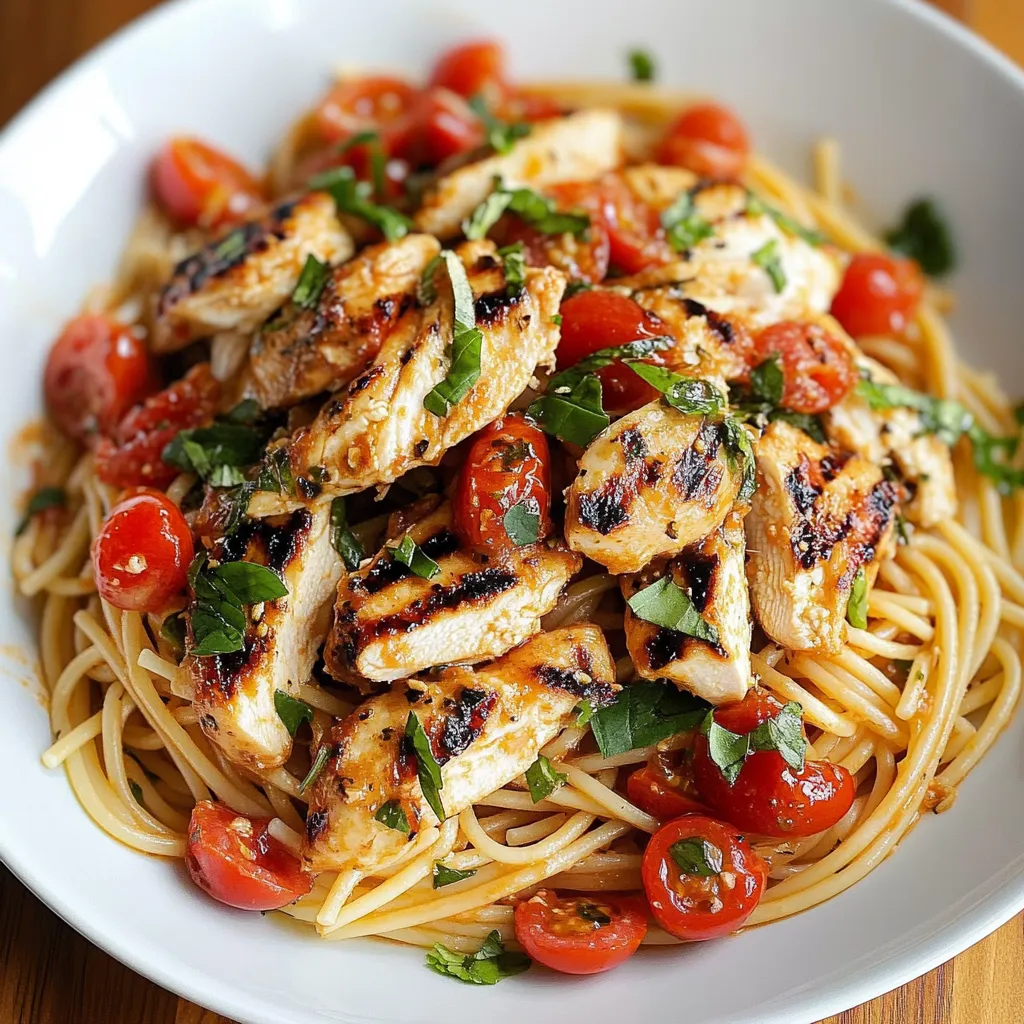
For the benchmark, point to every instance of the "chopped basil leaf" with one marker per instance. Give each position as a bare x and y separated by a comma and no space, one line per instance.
501,135
767,380
740,452
991,458
726,749
522,523
1018,413
276,472
857,606
644,714
592,912
584,712
172,629
534,209
486,215
759,403
41,500
392,815
684,226
572,412
557,319
221,594
136,790
467,343
514,259
946,419
292,711
352,197
666,604
768,259
410,554
783,733
697,856
323,755
216,453
689,395
641,66
638,349
245,414
575,287
444,875
924,235
756,206
311,282
343,540
542,779
231,247
427,767
426,290
903,529
486,967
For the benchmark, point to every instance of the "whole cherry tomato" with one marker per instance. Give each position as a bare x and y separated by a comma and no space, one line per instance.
580,934
508,464
236,860
879,294
141,555
473,69
195,184
709,140
769,797
702,879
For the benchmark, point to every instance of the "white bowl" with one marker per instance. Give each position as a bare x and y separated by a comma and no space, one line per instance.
919,106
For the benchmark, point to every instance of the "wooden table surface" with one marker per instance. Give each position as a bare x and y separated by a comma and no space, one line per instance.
51,975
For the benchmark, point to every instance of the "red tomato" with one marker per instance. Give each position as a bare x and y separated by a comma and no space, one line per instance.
580,935
441,125
768,797
131,455
593,320
141,555
472,69
363,104
818,369
701,906
196,184
665,794
508,463
95,372
522,106
709,140
636,238
236,861
879,294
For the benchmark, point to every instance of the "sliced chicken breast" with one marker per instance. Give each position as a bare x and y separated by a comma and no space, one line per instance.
390,623
655,482
485,728
712,574
817,517
301,352
579,147
237,281
234,693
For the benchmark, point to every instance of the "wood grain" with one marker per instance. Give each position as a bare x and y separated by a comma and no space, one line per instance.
51,975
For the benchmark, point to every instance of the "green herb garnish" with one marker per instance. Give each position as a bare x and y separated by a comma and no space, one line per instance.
410,554
292,711
643,714
696,856
783,733
392,815
353,197
343,540
769,260
427,767
43,499
542,779
924,235
522,523
857,606
641,66
486,967
444,875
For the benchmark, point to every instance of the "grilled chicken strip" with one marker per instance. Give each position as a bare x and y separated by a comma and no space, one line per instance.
390,623
377,428
485,728
234,693
818,516
579,147
653,483
712,574
301,352
237,281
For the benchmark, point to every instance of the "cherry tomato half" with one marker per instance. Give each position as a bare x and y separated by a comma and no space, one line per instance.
635,235
665,794
508,464
817,368
879,294
593,320
141,555
473,69
131,456
768,797
95,372
440,125
702,879
195,184
709,140
236,860
580,934
354,105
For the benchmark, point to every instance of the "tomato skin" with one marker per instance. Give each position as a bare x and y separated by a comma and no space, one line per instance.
552,932
665,796
131,456
636,238
879,294
440,125
768,797
95,372
471,69
509,462
353,105
709,140
142,553
818,369
592,320
681,904
264,877
196,184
